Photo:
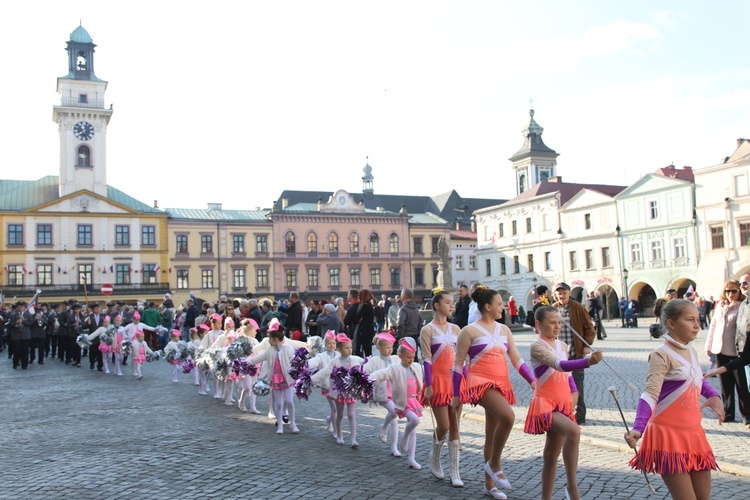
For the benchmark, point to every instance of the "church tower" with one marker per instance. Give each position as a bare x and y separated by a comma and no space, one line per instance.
82,120
367,179
534,162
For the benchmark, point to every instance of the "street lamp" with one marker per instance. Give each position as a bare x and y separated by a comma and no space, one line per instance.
533,282
625,279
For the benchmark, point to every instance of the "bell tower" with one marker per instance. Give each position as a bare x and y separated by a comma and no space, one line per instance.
82,120
534,162
367,179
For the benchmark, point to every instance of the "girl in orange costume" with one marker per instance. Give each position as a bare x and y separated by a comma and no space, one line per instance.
551,408
486,342
669,410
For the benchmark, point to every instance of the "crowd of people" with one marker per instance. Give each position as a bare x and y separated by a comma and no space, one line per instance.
246,349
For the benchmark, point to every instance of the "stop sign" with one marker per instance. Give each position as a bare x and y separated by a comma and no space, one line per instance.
107,289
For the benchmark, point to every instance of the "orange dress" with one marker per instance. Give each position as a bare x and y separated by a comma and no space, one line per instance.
553,388
674,441
442,353
488,368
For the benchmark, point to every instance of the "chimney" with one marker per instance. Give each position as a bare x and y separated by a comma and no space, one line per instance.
284,203
320,203
458,224
214,206
156,203
403,210
557,179
473,225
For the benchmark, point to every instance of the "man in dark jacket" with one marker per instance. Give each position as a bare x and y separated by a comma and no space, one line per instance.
294,317
190,315
409,322
351,312
461,314
21,335
255,312
92,322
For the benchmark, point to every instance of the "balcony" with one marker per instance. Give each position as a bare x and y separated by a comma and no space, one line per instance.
71,102
92,289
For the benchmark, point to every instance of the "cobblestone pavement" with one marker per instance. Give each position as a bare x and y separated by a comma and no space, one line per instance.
74,433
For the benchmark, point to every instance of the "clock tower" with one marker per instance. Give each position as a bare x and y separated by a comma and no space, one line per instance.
82,120
535,162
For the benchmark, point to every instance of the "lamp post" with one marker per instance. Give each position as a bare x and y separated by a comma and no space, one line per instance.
625,282
533,283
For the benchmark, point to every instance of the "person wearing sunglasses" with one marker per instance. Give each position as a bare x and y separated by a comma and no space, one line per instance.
721,341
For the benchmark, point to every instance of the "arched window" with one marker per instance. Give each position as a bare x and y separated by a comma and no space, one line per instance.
81,61
312,243
521,183
354,244
290,242
333,243
83,158
374,244
393,243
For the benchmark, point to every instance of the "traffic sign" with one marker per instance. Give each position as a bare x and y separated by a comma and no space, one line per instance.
107,289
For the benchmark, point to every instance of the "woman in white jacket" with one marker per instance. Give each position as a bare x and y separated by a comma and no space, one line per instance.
318,363
407,380
277,362
382,394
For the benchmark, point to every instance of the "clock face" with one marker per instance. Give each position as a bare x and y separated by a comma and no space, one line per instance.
83,131
342,200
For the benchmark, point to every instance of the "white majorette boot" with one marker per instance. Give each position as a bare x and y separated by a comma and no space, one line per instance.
435,468
454,453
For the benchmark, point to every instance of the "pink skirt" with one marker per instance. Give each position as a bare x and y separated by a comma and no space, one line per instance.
412,404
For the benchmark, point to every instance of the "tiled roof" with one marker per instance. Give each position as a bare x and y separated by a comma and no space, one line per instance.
566,189
310,208
427,219
463,235
217,215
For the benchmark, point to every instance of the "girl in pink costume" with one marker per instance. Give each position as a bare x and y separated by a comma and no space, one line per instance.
249,329
105,349
319,362
384,343
175,336
140,350
119,335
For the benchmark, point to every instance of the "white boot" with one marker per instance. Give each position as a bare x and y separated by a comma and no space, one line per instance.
435,468
454,453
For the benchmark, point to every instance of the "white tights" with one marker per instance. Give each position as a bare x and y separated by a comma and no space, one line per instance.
409,439
246,389
350,411
283,401
137,369
118,363
204,385
228,391
332,418
391,422
175,371
105,361
218,387
196,376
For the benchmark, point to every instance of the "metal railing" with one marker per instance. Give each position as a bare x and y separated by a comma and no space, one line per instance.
93,289
71,102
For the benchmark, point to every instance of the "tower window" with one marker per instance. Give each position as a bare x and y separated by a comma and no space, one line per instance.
81,61
83,159
83,98
521,183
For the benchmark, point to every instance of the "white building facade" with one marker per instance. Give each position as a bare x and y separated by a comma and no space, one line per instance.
463,251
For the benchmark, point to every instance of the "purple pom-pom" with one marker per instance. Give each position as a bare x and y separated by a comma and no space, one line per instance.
358,385
188,365
298,363
338,379
303,385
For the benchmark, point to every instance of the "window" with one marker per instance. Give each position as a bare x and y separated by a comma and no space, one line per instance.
530,263
85,235
312,243
653,210
335,276
545,222
83,98
635,252
544,175
418,249
393,244
207,245
573,261
85,274
261,243
740,185
182,279
312,277
744,233
516,265
15,234
291,278
355,277
333,243
395,277
238,278
15,275
374,244
238,243
44,234
354,244
587,221
419,276
503,267
501,230
459,261
528,225
606,260
148,236
83,158
514,228
547,261
207,278
435,244
44,274
656,251
472,261
290,244
488,267
679,248
182,243
374,277
122,274
588,256
149,273
261,278
122,235
717,237
521,183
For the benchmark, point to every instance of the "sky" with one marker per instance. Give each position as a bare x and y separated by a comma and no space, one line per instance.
234,102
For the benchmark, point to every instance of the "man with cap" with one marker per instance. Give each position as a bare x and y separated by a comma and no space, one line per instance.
94,321
22,322
72,328
575,315
53,339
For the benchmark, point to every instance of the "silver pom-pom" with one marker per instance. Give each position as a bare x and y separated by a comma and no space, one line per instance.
261,388
315,345
83,340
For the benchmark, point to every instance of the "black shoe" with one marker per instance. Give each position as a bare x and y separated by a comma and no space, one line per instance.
24,367
285,419
15,367
99,369
67,362
41,362
124,363
91,367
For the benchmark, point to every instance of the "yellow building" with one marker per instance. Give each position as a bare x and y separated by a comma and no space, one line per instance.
68,235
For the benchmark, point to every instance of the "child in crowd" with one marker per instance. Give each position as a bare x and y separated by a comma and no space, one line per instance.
551,408
208,342
140,350
195,340
106,350
407,381
249,329
345,359
382,392
120,335
204,386
319,362
175,336
220,345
